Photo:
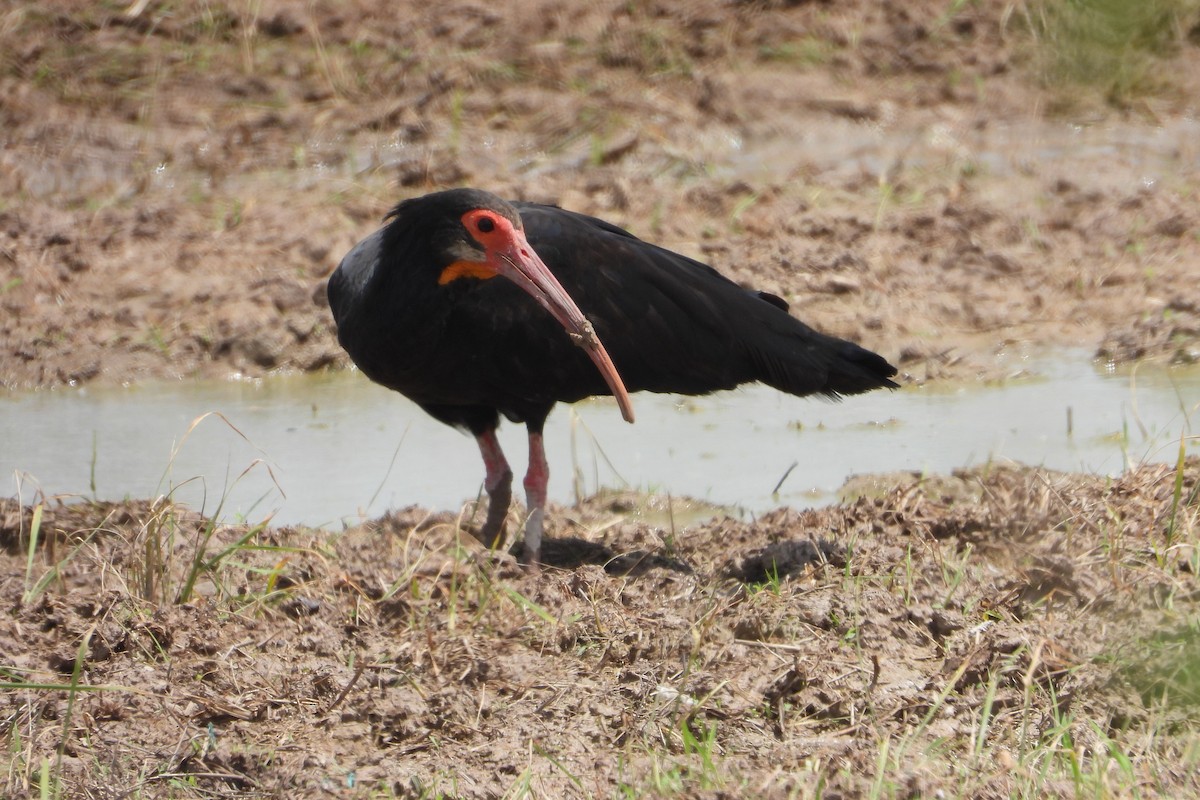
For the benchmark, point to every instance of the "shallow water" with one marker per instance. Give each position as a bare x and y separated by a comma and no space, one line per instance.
1135,156
330,449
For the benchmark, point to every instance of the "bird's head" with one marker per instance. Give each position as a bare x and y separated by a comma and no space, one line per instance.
476,235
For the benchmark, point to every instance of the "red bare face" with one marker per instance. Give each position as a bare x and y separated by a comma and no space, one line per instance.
507,253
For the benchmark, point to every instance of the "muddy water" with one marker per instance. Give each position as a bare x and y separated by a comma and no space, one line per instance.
330,449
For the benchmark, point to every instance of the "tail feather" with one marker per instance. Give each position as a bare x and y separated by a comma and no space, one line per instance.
803,362
854,369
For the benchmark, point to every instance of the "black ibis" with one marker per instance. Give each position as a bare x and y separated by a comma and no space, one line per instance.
474,307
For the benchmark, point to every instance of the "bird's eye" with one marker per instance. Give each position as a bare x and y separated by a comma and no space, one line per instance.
485,225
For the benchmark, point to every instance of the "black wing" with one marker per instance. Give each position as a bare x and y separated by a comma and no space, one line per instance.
673,324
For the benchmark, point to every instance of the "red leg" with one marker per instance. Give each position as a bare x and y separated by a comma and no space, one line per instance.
498,482
536,480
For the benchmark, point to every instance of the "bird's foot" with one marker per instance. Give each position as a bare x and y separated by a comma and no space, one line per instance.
529,550
490,536
499,498
530,559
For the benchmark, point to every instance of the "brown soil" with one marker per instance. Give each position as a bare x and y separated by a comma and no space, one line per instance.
1048,608
178,180
177,184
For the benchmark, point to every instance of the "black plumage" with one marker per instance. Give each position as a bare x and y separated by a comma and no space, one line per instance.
418,311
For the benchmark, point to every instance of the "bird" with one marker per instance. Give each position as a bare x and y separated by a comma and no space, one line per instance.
475,307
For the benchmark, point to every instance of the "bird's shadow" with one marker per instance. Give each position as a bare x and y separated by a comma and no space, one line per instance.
569,552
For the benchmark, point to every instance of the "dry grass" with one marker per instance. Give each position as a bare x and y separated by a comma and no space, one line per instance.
998,633
1123,51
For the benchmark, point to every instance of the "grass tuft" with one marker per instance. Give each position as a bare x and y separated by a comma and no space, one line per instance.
1118,48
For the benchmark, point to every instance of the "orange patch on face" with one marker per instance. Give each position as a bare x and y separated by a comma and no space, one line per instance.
465,269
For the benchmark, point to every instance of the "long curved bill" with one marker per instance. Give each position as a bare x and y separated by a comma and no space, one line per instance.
521,265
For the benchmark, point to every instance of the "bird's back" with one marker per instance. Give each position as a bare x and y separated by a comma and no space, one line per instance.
673,324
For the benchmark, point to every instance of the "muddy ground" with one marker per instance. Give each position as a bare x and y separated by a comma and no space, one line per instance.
990,634
178,180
